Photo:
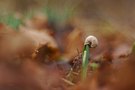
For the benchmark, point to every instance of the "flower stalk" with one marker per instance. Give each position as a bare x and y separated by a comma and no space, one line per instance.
90,42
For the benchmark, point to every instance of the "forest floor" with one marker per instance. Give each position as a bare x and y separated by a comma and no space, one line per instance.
37,54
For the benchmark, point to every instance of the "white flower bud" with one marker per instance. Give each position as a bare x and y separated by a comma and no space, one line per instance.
92,41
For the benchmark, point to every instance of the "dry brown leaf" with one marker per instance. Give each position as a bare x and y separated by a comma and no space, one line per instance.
18,45
39,37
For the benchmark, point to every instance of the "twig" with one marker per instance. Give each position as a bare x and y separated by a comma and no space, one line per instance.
67,81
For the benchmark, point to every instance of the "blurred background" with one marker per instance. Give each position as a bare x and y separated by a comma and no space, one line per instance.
94,15
41,40
118,14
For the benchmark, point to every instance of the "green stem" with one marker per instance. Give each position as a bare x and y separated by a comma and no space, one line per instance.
85,62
